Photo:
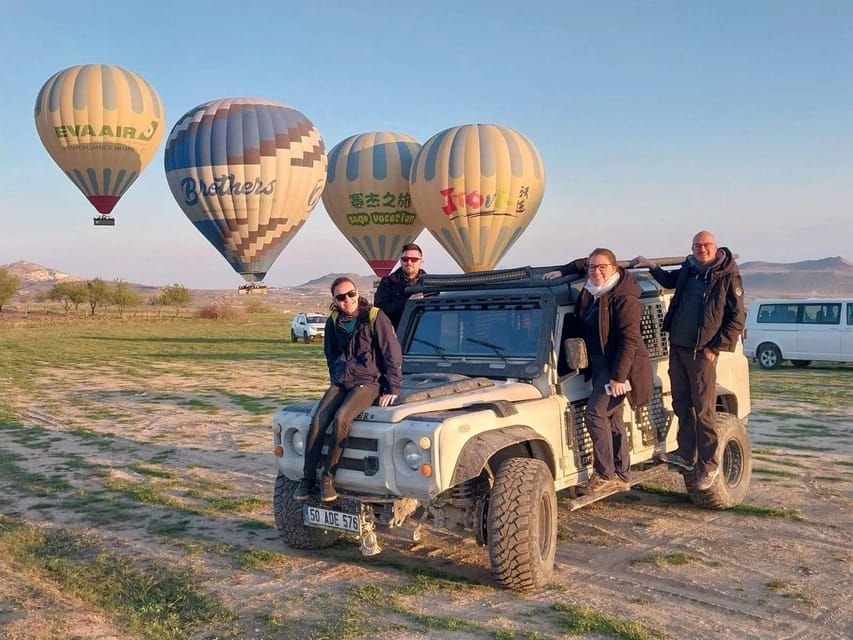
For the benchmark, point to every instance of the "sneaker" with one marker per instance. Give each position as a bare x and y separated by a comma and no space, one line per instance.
327,489
677,460
624,478
304,489
706,479
600,484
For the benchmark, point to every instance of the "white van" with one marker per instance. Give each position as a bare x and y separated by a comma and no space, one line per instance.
799,330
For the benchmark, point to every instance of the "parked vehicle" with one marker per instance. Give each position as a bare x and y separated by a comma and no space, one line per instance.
799,330
308,326
489,426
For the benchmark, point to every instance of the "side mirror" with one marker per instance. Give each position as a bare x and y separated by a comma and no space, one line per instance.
576,356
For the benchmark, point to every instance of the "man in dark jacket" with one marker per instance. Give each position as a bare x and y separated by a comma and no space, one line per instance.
704,318
364,360
607,315
391,293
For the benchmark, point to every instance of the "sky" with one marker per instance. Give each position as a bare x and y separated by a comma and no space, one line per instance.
654,119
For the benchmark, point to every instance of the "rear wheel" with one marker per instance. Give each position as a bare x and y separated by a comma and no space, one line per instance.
735,456
521,525
769,356
801,364
288,519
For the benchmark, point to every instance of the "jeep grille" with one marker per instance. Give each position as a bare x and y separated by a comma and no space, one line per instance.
651,326
360,454
652,421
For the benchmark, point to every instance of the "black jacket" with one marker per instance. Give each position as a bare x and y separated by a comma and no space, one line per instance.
391,294
619,315
365,356
722,316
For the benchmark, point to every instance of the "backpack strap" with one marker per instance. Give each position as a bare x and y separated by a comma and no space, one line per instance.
371,316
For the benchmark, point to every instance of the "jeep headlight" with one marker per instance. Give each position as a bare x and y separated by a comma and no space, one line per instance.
412,454
297,442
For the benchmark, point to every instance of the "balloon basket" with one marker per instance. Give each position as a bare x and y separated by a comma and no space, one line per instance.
252,289
105,221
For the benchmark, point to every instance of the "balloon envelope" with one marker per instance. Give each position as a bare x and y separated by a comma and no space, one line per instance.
367,195
476,187
101,124
246,172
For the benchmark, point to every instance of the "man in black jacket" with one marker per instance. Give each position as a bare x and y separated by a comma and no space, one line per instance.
364,360
704,318
391,294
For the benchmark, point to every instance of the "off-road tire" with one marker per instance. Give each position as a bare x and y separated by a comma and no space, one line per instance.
801,364
735,456
293,337
288,519
768,356
521,525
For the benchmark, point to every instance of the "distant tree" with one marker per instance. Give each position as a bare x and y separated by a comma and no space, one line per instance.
98,292
122,296
9,285
68,293
176,295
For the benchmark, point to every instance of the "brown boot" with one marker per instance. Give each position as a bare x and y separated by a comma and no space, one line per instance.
327,489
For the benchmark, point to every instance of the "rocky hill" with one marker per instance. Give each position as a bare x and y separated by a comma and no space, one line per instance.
810,278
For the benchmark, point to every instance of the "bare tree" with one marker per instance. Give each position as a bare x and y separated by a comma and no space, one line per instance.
99,293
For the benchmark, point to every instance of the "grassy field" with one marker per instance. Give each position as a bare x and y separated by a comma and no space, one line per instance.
136,484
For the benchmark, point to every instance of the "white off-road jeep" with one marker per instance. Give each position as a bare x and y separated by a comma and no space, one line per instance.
489,426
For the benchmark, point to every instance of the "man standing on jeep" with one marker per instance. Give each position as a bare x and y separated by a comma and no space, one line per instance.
704,318
391,294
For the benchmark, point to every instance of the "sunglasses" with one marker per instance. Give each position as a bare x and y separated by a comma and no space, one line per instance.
409,259
352,293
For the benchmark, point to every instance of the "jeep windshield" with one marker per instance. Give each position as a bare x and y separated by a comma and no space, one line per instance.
475,337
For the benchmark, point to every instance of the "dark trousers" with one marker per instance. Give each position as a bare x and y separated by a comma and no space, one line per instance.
694,399
338,407
605,425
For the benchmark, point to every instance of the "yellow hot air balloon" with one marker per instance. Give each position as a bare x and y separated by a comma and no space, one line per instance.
101,124
476,187
246,172
367,195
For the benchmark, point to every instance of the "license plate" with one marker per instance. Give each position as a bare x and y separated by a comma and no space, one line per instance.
328,519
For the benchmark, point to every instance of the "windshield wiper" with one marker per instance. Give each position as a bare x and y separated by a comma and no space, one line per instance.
439,350
499,350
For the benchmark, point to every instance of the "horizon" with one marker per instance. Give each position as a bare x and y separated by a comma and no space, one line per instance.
327,275
653,120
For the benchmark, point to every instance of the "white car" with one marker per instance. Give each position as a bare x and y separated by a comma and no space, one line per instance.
308,326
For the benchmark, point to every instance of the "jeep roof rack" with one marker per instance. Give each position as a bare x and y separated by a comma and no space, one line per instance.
509,278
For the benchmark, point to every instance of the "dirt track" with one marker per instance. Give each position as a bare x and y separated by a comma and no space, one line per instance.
645,556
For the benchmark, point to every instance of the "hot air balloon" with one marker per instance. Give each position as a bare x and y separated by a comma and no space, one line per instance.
246,172
367,195
101,124
476,188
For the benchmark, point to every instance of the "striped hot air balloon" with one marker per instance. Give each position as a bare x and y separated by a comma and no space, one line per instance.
367,195
101,124
246,172
476,187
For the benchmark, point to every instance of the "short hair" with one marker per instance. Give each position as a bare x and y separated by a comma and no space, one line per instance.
411,247
603,252
341,280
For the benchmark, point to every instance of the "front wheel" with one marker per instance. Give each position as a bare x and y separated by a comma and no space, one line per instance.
293,337
735,456
308,337
769,356
288,519
521,525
